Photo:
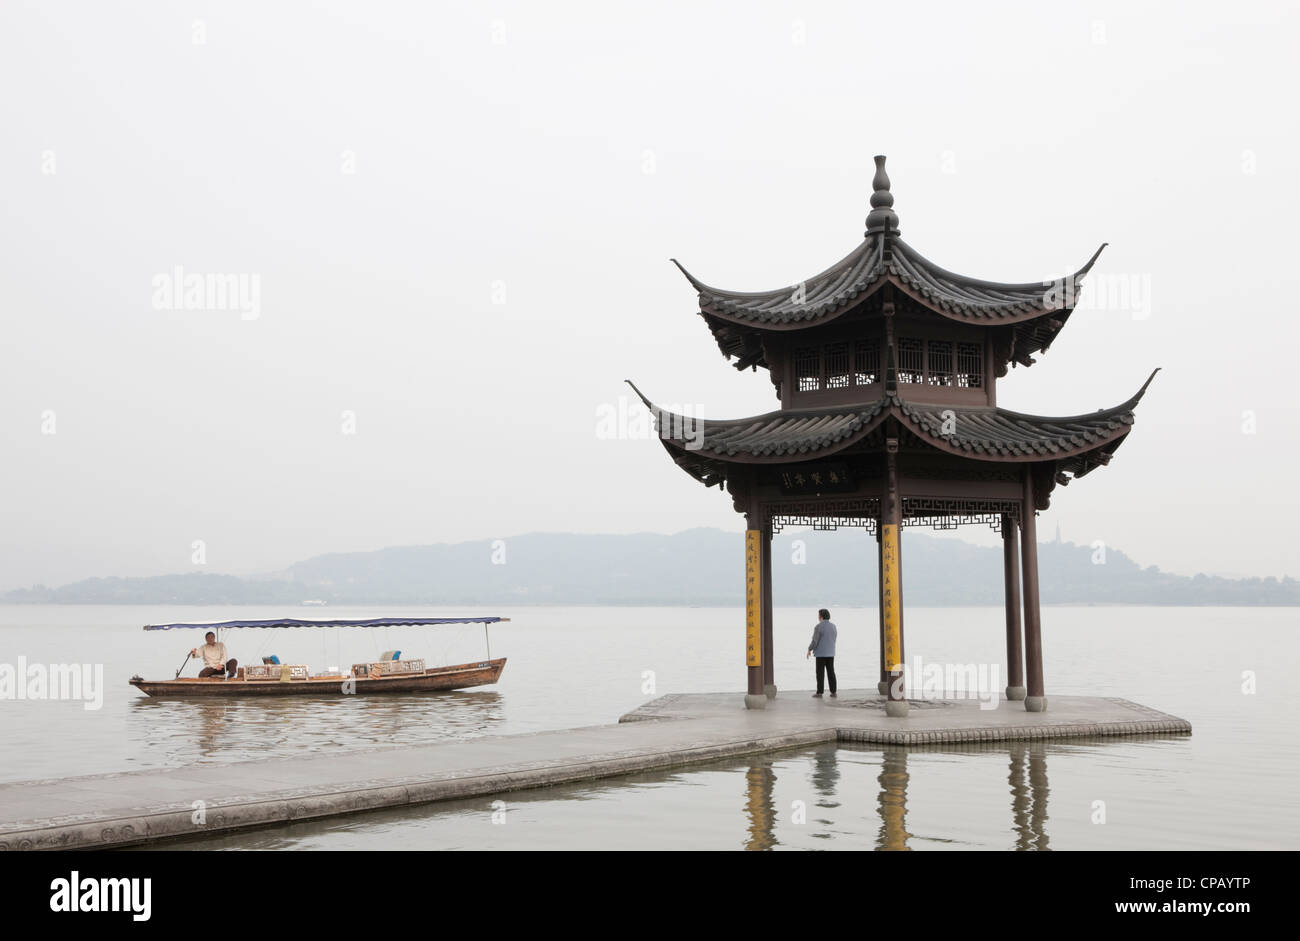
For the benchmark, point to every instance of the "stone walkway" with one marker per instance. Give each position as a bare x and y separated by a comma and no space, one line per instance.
105,810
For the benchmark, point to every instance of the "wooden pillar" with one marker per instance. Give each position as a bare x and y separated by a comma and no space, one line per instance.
1011,592
754,551
882,685
891,582
1035,700
769,669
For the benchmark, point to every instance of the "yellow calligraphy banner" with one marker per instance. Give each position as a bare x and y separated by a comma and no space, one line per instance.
890,597
753,598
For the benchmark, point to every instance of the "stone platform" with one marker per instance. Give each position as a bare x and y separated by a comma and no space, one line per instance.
100,811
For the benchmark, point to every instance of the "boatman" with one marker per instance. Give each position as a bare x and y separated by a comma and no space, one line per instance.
216,664
822,646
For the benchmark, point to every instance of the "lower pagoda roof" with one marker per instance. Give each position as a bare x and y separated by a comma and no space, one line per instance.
1078,443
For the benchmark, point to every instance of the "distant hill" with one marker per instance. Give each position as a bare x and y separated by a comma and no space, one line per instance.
699,566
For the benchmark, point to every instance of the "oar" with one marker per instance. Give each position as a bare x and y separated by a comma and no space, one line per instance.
182,666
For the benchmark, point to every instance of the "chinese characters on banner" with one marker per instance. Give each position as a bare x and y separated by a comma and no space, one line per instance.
890,596
753,598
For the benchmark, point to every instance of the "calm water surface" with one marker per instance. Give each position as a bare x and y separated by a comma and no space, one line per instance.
1229,785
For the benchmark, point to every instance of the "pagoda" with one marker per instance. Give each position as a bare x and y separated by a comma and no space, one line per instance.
886,369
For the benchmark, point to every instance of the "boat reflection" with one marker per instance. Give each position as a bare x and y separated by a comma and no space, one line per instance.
224,730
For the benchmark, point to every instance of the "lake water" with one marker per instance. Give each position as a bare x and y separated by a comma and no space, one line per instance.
1227,786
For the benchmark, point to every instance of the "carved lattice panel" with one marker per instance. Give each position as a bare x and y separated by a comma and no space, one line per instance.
911,360
940,513
970,366
837,365
808,369
864,513
939,366
824,515
866,362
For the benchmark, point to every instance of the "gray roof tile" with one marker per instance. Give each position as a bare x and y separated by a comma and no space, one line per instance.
982,433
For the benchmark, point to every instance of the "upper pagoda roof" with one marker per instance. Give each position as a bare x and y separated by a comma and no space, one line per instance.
865,270
1035,310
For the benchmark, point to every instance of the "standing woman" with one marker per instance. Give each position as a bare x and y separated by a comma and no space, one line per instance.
822,646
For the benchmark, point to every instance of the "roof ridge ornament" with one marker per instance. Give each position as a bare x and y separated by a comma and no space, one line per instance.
882,218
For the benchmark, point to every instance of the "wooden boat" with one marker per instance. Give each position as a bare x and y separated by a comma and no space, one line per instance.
370,678
461,676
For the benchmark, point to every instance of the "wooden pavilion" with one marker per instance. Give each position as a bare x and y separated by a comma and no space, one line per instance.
886,368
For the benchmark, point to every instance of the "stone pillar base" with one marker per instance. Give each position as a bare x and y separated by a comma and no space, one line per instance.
770,691
896,708
883,688
1035,704
755,702
1015,693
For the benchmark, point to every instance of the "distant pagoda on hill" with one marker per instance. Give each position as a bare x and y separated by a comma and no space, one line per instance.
886,367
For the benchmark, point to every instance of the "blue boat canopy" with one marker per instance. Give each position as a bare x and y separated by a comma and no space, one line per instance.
295,622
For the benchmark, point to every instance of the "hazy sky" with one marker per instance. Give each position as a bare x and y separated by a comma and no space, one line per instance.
458,219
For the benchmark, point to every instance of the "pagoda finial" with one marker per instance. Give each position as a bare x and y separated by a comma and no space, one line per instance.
882,217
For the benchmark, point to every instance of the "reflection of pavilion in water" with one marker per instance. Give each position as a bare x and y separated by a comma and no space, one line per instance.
1027,779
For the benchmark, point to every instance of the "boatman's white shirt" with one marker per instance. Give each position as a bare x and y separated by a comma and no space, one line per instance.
214,655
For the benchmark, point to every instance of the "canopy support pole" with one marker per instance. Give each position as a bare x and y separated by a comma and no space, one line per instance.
1011,596
755,698
1036,700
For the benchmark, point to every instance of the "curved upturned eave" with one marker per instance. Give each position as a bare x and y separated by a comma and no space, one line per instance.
827,300
995,450
862,425
1126,406
996,285
854,259
1071,443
